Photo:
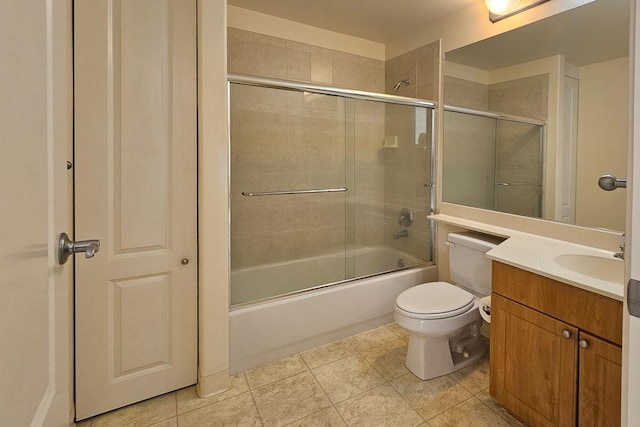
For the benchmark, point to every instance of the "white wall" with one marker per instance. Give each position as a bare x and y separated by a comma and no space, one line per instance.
603,136
261,23
213,201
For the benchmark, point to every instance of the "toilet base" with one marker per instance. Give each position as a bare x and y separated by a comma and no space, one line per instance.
429,357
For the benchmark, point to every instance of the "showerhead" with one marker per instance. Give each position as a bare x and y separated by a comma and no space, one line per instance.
400,83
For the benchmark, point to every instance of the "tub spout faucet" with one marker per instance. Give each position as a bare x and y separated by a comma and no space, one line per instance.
399,234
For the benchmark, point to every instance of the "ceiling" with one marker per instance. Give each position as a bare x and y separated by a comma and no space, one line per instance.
595,32
377,20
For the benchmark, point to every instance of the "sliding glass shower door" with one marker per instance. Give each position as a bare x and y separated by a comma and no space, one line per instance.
493,163
288,191
324,188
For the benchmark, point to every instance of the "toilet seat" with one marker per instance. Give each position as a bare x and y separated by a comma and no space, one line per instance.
436,300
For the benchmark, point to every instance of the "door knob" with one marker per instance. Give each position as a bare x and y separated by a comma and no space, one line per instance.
610,182
67,247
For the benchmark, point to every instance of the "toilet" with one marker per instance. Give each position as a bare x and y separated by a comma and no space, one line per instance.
443,319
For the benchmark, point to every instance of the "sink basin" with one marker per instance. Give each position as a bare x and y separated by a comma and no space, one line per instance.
602,268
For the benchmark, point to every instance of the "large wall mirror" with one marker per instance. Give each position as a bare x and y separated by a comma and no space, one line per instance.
536,115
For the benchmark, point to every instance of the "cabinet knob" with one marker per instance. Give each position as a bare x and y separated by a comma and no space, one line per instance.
566,333
583,343
185,261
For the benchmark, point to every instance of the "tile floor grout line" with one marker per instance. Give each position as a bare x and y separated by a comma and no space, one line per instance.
279,379
407,400
253,399
380,359
324,391
334,341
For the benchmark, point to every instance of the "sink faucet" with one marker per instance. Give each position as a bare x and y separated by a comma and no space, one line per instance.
622,246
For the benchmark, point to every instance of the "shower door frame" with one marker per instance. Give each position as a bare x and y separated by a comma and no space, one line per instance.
273,83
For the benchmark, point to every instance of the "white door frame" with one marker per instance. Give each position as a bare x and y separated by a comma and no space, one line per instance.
631,330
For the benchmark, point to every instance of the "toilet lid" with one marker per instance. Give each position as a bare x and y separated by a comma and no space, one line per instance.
434,300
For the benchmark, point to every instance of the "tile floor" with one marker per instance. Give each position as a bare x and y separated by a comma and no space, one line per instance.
357,381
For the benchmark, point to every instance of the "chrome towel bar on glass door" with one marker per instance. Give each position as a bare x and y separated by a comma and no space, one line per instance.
282,193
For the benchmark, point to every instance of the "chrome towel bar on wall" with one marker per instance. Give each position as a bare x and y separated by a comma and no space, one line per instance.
282,193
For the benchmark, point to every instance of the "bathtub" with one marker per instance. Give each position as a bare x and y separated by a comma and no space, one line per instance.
265,281
269,330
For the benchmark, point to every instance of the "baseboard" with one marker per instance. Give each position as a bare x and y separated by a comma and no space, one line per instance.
211,385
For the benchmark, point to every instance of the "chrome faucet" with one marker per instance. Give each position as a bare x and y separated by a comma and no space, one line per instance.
399,234
622,246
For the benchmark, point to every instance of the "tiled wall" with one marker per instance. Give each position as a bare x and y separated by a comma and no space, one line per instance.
421,67
465,93
527,97
258,54
408,167
297,141
283,140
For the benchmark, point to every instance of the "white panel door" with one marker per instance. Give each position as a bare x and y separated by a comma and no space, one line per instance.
35,358
567,155
135,190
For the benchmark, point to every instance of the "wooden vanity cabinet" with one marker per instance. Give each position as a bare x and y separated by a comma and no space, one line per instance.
555,351
600,382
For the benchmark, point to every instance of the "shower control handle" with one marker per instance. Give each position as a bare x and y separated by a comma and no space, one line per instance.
405,217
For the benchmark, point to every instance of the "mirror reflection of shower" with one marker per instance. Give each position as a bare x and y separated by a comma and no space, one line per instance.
396,86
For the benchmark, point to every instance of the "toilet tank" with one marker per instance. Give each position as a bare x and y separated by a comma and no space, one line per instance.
468,265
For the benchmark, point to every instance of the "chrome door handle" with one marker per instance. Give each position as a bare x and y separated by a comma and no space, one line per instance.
610,182
67,247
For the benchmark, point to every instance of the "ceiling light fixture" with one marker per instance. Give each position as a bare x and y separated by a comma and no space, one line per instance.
501,9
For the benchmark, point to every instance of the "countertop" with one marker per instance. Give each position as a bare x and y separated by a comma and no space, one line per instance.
541,255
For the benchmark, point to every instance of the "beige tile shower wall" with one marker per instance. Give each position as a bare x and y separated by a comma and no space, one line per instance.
258,54
420,66
283,140
526,97
408,167
368,173
465,93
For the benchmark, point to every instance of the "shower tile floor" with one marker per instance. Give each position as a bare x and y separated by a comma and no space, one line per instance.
357,381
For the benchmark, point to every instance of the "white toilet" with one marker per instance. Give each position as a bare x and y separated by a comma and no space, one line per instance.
443,319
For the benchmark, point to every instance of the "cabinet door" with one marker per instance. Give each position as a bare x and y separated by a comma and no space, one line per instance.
533,364
600,382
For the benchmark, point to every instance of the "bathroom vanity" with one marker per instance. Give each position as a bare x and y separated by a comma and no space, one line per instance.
555,350
556,327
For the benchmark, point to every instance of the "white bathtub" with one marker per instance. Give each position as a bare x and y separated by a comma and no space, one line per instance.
265,281
270,330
